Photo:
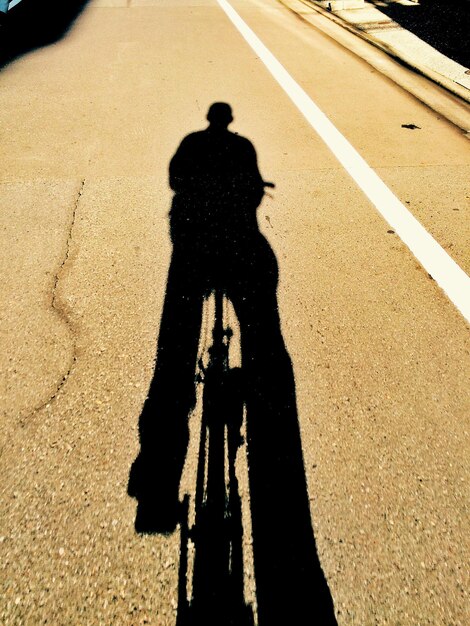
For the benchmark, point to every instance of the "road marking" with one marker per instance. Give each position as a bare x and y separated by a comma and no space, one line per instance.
448,275
13,3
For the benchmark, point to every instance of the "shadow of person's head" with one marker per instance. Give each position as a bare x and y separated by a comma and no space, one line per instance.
219,116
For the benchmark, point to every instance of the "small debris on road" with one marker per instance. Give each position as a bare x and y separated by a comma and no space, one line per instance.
411,126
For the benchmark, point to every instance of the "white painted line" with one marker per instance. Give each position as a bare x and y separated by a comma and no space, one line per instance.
448,275
13,3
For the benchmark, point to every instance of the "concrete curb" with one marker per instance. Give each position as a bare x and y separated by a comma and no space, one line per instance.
398,49
453,103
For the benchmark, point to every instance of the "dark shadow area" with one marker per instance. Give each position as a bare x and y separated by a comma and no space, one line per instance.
444,24
217,246
35,23
217,576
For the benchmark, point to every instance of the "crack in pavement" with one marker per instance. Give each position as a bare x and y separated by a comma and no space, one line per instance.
60,310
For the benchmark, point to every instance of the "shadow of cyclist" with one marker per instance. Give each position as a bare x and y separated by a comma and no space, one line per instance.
217,244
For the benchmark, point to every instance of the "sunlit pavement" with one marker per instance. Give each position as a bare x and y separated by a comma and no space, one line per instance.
380,354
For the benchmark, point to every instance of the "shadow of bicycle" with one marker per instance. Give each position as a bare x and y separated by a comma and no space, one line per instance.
217,245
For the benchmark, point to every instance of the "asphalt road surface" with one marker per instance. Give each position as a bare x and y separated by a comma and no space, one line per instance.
381,355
